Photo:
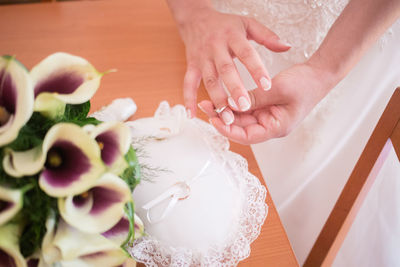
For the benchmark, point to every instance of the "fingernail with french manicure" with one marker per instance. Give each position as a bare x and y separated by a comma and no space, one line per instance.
285,43
232,103
265,83
244,104
200,107
227,117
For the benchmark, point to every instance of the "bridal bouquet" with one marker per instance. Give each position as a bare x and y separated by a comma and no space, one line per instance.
65,178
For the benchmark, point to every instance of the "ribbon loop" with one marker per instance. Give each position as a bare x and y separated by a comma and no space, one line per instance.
178,191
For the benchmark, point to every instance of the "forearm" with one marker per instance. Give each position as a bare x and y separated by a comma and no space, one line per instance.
361,23
182,10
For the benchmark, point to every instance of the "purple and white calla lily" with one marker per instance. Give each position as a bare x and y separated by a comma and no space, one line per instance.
99,208
93,249
69,159
62,79
10,254
114,139
16,98
10,203
120,230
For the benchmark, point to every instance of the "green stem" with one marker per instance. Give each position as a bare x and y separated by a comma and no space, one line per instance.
130,213
107,72
26,188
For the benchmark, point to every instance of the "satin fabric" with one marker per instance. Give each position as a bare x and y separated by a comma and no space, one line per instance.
306,171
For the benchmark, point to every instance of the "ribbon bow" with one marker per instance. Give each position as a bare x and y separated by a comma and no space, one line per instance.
178,191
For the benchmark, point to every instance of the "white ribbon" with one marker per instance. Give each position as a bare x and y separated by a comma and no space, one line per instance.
178,191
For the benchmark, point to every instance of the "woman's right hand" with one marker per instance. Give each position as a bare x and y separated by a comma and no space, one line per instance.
212,40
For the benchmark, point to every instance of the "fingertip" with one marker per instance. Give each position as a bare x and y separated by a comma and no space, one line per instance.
265,83
232,103
191,113
207,107
280,45
212,121
190,105
200,106
227,116
191,83
244,103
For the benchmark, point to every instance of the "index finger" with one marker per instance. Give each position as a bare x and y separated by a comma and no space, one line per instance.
191,83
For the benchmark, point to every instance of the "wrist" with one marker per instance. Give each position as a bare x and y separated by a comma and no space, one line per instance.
333,70
184,10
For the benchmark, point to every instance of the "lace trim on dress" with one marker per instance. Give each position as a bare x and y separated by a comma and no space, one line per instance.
302,23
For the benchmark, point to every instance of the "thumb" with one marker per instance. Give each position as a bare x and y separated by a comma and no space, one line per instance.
261,99
264,36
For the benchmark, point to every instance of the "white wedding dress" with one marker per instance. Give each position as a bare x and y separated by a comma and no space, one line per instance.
306,171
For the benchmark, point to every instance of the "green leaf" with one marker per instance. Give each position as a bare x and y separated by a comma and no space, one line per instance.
131,175
34,213
33,133
78,114
36,209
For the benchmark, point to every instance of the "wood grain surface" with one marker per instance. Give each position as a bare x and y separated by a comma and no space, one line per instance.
140,40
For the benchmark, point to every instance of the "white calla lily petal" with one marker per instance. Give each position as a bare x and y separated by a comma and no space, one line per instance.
98,209
114,139
9,249
92,248
20,163
16,98
10,203
66,78
69,157
48,105
139,227
50,253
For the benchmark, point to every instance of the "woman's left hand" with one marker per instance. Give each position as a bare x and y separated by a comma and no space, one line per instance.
276,112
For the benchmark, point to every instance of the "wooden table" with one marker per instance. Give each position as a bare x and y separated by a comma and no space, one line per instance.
139,38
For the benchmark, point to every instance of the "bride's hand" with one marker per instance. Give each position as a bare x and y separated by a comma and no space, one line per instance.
275,113
212,40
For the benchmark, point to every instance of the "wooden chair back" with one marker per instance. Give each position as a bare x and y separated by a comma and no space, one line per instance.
385,135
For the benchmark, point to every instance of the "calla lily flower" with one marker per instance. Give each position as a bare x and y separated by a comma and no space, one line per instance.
120,230
16,98
62,79
10,203
49,253
9,249
69,157
83,249
114,140
99,208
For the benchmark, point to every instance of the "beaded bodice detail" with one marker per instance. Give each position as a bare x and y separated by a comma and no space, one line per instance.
302,23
